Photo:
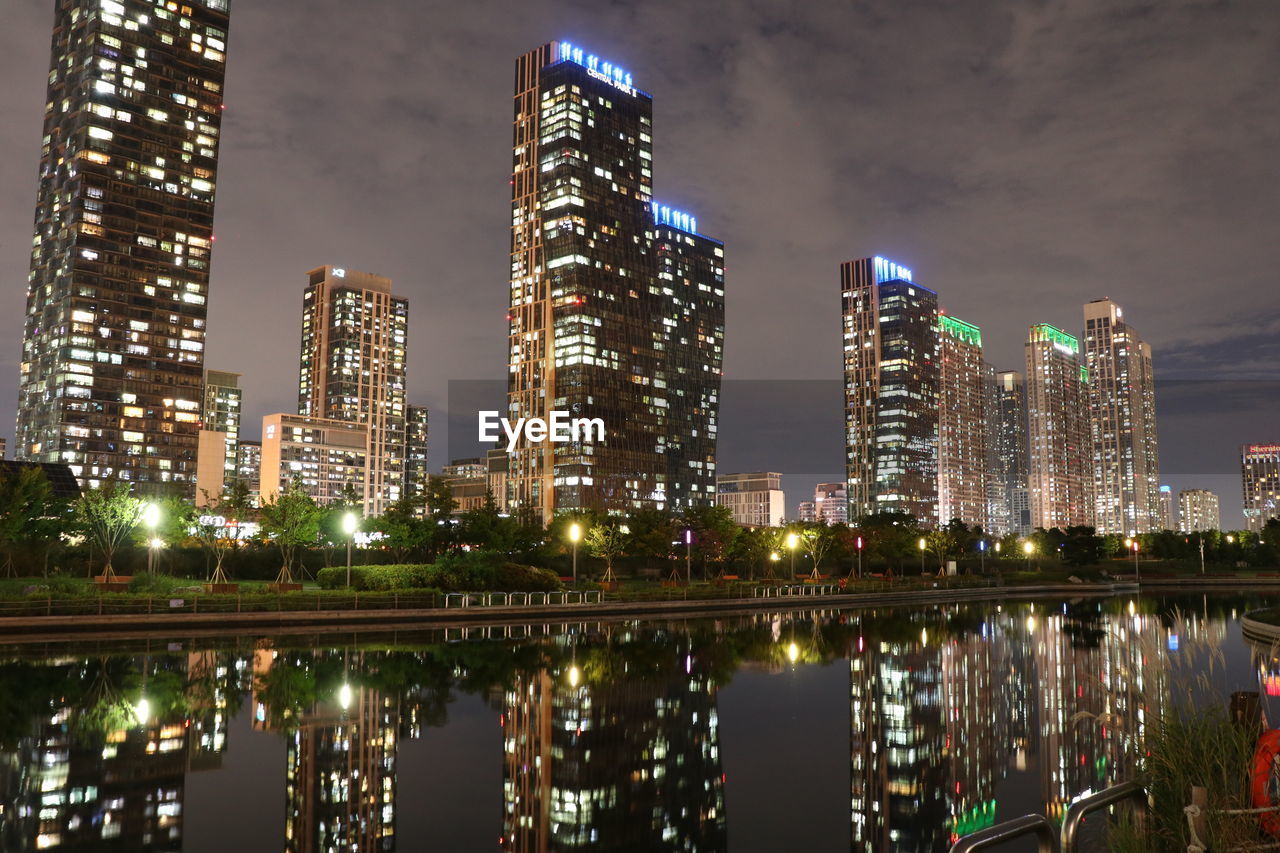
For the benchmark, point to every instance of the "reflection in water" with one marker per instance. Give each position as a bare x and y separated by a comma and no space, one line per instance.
610,735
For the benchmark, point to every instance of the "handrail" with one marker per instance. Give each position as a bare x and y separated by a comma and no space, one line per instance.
1031,824
1109,797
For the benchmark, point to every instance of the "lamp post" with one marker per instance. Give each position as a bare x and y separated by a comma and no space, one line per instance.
1137,572
688,557
774,557
151,518
350,523
922,544
575,533
982,556
1200,536
792,541
859,543
1029,548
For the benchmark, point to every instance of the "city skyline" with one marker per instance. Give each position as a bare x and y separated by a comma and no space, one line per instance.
964,283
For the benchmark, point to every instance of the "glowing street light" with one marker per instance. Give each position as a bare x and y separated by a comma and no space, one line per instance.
792,542
151,519
859,544
688,557
1029,548
575,675
350,524
143,711
344,696
922,545
793,652
575,534
1136,570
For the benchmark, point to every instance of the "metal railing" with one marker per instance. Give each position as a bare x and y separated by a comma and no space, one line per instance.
1039,825
1031,824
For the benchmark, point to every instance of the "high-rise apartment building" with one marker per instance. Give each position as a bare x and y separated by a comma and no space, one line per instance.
1167,521
219,434
1122,415
807,512
962,423
617,304
754,500
1260,476
891,379
414,451
1060,470
1010,503
113,348
249,467
1199,510
831,503
354,338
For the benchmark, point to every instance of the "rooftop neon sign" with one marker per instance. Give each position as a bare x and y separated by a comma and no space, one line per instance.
664,215
959,329
887,270
1055,336
612,74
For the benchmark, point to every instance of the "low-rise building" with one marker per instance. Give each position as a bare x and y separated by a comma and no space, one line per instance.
754,499
330,458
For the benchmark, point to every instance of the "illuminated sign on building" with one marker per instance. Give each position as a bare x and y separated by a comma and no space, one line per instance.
1263,448
675,218
887,270
606,71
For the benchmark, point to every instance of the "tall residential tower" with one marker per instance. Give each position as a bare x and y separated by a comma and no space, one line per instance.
891,390
1122,415
962,440
1060,475
354,339
617,303
113,349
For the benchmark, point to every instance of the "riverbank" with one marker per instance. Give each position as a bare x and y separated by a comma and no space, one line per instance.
20,629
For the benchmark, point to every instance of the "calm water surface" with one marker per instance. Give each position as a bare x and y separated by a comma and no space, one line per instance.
893,729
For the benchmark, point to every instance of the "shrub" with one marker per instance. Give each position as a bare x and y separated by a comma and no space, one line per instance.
398,576
155,584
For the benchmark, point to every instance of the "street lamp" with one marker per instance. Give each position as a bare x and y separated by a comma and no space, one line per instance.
922,544
859,557
350,523
793,652
143,712
151,518
792,541
982,556
1137,572
575,533
344,696
1028,548
688,557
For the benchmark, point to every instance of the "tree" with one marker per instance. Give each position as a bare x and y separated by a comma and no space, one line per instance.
217,529
608,541
714,531
819,539
292,520
26,507
109,516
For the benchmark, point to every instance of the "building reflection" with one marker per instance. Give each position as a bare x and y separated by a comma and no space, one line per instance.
611,754
341,747
936,727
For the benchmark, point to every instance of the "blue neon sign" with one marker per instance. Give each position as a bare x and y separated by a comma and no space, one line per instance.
612,74
887,270
664,215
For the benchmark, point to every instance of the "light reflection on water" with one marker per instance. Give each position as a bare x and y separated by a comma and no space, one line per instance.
899,729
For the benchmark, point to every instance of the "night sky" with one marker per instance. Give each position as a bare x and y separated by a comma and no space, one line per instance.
1021,157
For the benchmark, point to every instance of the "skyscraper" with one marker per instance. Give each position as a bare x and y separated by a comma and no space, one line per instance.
354,338
1060,475
1122,415
113,348
962,456
1260,476
1199,510
891,389
414,452
1007,430
616,304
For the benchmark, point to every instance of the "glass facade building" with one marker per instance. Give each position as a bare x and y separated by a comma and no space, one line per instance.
113,347
616,305
891,376
1260,476
1009,505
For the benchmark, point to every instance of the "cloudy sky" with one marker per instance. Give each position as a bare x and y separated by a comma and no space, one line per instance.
1021,157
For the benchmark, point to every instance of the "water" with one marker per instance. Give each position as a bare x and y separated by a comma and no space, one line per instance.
893,729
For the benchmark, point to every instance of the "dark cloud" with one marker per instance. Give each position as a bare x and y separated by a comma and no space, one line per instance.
1021,157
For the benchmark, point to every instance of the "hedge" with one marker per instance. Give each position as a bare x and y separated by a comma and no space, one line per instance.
466,572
